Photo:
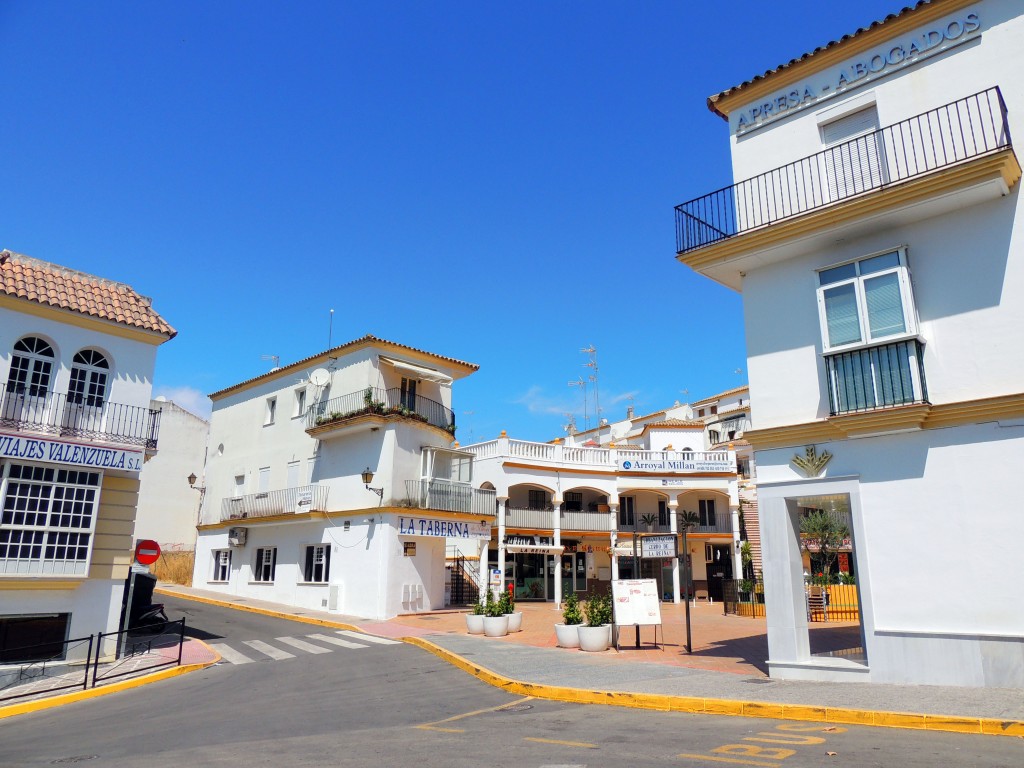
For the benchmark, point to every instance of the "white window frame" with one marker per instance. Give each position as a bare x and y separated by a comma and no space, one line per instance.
32,537
221,565
324,564
300,403
270,414
857,281
707,514
264,559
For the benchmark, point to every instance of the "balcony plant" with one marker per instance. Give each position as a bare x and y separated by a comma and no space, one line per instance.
596,634
495,622
475,619
507,602
649,520
566,633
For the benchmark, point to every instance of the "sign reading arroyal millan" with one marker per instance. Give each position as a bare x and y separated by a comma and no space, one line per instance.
456,529
60,452
706,463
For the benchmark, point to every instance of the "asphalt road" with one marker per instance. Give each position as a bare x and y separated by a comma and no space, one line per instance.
395,705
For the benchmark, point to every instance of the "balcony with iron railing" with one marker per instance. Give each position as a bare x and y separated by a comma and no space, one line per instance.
877,377
35,410
445,496
376,402
956,134
285,501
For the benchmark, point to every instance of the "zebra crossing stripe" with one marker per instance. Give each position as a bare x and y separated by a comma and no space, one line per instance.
302,645
229,654
368,638
267,649
336,641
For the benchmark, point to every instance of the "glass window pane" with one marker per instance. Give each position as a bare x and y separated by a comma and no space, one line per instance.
878,263
841,315
885,306
834,275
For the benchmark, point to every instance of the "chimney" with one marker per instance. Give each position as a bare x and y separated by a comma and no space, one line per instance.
629,412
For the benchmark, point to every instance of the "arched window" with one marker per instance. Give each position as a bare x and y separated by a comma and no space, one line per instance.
89,372
31,367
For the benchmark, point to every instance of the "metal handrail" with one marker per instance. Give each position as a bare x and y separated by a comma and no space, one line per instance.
383,402
76,415
961,130
277,502
450,497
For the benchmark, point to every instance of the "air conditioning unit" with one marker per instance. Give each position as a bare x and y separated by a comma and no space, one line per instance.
236,536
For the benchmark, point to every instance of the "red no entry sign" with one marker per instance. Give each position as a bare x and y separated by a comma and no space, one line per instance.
146,552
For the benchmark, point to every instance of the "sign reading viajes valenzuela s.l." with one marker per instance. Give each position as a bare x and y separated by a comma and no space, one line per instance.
61,452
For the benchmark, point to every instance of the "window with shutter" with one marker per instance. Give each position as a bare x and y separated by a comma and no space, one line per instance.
853,159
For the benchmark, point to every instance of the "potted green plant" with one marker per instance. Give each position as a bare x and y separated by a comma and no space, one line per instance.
495,622
649,520
475,619
746,588
566,633
507,601
596,634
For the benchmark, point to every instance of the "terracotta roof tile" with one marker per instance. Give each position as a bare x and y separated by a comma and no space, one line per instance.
56,286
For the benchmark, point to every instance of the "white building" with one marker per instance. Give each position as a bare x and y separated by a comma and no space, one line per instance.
875,232
569,512
77,354
168,507
287,516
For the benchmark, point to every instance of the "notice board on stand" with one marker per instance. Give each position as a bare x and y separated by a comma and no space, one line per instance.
636,602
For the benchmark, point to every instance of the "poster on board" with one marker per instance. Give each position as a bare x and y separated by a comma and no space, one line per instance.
636,602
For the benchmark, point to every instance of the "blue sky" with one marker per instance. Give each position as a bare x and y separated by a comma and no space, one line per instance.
492,182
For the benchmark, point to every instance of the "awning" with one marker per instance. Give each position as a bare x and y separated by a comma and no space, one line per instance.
534,549
428,374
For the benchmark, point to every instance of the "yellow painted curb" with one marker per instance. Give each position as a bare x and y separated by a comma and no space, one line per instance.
263,611
70,698
704,706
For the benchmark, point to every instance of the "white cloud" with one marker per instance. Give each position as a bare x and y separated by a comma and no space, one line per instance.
189,398
537,402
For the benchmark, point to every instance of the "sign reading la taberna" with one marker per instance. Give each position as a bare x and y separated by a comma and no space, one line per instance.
455,529
60,452
677,465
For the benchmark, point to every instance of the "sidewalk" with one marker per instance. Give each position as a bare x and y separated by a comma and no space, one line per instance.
725,674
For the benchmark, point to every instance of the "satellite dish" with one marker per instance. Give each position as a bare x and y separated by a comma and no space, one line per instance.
320,377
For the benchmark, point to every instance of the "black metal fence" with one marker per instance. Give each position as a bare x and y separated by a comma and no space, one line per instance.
877,377
961,130
383,402
88,662
836,602
72,415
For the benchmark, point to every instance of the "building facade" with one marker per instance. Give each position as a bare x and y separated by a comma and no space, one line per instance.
77,354
168,507
875,232
288,515
605,504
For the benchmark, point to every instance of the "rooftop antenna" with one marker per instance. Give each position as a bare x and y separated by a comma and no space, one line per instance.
583,385
570,426
469,413
592,364
330,330
275,358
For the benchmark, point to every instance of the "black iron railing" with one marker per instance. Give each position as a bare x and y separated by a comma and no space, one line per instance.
73,415
305,498
877,377
450,497
961,130
383,402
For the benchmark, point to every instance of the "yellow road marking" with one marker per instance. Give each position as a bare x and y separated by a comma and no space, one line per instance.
582,744
453,718
732,760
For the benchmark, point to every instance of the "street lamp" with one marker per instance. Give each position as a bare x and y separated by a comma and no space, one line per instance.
367,479
687,520
202,493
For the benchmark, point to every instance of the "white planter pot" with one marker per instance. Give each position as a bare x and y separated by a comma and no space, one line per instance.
595,638
475,623
567,636
495,626
515,621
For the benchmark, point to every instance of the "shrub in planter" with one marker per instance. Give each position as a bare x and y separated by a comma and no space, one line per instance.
495,622
566,632
507,602
597,634
475,620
